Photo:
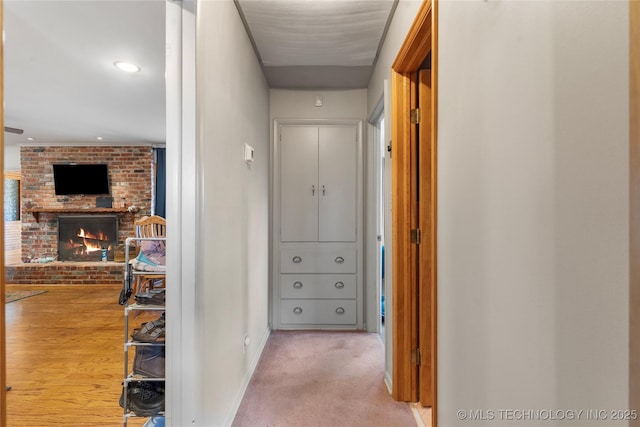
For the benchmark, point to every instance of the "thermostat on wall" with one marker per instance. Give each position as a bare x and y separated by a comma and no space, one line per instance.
248,153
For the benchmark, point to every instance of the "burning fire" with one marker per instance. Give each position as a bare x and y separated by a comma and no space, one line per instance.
91,242
99,236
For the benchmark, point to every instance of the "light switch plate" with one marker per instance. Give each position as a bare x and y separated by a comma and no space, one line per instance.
248,153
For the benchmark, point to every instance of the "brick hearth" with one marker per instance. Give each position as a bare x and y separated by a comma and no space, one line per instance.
66,273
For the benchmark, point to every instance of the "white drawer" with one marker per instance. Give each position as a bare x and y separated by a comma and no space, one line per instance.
318,260
337,286
318,312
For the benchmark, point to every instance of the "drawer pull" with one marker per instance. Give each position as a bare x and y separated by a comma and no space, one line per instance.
297,310
340,310
296,259
339,260
297,285
339,285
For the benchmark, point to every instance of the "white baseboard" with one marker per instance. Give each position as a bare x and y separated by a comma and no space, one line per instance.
387,382
247,378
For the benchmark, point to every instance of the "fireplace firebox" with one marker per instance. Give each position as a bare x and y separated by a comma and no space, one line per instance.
83,237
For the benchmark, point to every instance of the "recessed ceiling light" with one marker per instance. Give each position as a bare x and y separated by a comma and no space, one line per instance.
31,138
127,66
99,138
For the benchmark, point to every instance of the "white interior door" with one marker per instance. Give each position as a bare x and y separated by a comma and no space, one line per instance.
337,179
299,184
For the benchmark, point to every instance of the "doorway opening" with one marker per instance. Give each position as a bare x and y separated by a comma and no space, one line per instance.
378,166
380,209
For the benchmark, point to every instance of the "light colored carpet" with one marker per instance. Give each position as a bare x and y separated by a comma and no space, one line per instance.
11,296
322,379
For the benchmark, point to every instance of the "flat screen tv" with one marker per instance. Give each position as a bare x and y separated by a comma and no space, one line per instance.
86,179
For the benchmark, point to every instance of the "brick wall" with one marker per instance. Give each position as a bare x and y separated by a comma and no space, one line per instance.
130,176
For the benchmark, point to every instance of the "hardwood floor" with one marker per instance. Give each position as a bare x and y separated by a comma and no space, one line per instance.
65,357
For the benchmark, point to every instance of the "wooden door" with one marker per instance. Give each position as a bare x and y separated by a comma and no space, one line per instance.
337,179
426,157
299,184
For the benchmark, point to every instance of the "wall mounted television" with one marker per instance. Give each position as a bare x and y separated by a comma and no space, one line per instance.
80,179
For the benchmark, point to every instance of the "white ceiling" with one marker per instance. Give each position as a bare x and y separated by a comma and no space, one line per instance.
61,86
60,83
317,43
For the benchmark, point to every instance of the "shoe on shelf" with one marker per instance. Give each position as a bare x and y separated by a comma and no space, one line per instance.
143,324
154,422
151,332
149,361
153,297
144,398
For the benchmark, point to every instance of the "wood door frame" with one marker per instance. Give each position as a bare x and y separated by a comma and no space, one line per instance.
421,39
634,208
3,340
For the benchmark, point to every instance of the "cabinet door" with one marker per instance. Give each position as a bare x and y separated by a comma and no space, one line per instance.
298,184
337,179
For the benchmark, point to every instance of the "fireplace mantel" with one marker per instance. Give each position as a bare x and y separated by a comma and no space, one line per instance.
37,211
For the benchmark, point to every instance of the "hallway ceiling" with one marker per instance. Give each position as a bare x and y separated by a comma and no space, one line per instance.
61,87
317,44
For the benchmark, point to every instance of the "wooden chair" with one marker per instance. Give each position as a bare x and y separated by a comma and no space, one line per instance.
149,227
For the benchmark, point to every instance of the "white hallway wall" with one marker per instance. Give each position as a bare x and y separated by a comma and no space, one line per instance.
232,260
300,104
533,206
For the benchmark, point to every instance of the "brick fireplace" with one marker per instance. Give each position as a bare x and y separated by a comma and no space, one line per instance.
131,183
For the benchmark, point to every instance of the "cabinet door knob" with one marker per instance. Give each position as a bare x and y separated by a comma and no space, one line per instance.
340,310
297,285
339,260
296,259
297,310
339,285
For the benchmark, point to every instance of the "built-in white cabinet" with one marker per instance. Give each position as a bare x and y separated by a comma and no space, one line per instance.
317,237
318,183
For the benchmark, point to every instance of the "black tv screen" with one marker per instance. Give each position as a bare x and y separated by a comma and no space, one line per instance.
85,179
